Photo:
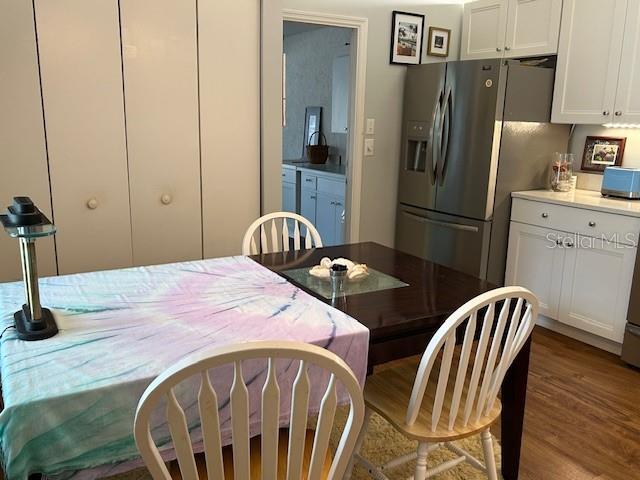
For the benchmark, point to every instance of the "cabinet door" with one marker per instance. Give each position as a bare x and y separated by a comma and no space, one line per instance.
340,88
483,29
326,218
161,93
533,27
22,147
289,202
596,286
339,221
535,261
229,68
80,63
627,107
308,203
589,54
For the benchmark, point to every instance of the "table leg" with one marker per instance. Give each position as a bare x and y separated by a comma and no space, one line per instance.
514,395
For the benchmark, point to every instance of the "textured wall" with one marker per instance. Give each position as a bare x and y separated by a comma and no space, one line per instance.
309,73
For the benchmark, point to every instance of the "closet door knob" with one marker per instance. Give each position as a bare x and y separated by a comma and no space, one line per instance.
605,113
507,48
592,223
545,215
498,49
166,199
619,113
92,203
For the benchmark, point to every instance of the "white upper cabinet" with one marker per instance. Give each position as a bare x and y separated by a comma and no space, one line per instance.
533,27
340,94
627,105
510,28
161,97
23,157
81,68
590,55
483,29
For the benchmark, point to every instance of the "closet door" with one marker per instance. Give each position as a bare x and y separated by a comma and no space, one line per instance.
161,98
229,60
79,45
23,156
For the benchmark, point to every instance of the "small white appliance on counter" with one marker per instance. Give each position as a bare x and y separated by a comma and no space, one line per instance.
621,182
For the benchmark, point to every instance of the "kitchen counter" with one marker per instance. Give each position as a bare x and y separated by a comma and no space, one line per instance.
324,168
588,199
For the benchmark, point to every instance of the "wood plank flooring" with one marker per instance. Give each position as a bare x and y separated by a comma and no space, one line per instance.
582,418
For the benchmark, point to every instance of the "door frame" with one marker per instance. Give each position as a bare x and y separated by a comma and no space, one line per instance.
356,112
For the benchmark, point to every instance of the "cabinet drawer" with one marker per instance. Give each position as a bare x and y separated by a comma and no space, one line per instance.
308,181
616,228
289,175
333,187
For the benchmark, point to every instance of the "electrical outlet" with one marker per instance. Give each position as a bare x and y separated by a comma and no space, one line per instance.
371,126
369,147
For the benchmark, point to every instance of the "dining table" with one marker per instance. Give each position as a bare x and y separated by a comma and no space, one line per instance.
69,401
401,320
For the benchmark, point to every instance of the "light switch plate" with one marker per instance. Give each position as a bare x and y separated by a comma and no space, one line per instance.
369,147
371,126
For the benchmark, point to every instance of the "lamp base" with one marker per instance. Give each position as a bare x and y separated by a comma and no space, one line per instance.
29,330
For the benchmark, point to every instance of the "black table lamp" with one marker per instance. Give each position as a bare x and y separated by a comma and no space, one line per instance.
26,223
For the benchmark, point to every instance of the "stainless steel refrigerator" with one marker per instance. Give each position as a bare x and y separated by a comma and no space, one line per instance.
473,132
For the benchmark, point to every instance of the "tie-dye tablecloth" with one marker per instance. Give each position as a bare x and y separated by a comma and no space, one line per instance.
69,401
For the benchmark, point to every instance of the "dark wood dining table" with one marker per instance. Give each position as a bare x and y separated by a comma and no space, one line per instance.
402,320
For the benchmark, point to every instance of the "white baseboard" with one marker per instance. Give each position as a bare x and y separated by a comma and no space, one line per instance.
581,336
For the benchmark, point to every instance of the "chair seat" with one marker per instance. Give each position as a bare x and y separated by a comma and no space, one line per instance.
388,392
255,459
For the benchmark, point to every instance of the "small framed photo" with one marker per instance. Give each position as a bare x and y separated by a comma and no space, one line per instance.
602,152
407,32
438,45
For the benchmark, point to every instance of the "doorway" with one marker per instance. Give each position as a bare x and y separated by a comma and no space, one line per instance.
346,154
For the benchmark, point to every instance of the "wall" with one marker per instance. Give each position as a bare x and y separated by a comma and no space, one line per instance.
631,158
383,98
309,73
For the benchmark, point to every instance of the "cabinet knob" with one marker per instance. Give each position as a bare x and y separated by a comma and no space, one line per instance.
592,223
605,113
333,203
313,197
619,113
498,49
545,215
507,48
166,199
308,180
92,203
569,244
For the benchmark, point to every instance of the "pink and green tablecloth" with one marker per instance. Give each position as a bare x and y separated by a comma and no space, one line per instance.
69,401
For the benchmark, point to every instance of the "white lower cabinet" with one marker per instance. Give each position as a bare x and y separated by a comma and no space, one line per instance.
596,284
534,263
581,281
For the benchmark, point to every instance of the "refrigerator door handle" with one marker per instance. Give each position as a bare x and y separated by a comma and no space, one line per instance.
433,169
444,136
453,226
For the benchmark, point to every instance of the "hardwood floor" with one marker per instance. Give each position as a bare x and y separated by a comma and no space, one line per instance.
582,418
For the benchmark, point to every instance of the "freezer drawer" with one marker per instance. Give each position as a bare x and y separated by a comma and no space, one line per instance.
455,242
631,345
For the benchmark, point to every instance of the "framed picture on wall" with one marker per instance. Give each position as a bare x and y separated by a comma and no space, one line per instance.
407,32
602,152
438,45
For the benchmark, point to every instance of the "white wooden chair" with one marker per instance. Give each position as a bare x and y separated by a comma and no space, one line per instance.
218,463
275,237
436,409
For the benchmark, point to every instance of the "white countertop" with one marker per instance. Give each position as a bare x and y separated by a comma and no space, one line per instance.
584,199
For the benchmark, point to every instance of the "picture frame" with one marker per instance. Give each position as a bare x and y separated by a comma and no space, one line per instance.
438,44
312,124
407,35
602,152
